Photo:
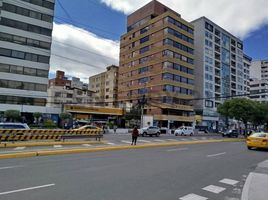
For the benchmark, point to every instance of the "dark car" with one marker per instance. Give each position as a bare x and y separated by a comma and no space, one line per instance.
230,133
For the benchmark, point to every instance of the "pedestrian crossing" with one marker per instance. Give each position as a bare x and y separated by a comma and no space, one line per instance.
211,190
117,141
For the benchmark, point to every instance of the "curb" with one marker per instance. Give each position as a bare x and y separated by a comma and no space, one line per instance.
33,144
111,148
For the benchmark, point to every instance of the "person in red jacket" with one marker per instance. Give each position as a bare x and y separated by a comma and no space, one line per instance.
135,134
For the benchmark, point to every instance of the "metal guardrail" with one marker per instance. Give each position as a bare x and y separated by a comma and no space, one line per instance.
45,134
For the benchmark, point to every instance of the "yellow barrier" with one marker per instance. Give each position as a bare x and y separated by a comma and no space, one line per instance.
44,134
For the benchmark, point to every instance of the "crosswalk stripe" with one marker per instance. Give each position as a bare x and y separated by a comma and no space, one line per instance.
86,145
172,140
57,146
157,140
228,181
19,148
214,189
126,141
193,197
145,141
110,143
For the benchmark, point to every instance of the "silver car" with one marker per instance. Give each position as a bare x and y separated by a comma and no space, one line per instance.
10,125
150,130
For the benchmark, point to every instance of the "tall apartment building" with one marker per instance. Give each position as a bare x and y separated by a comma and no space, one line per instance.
259,80
247,63
105,87
63,91
219,69
25,42
156,61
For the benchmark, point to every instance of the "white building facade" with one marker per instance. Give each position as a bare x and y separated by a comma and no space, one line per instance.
25,49
219,69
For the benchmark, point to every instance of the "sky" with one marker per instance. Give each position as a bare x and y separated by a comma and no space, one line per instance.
86,33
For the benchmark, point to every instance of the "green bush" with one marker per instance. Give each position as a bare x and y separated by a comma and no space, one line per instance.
49,124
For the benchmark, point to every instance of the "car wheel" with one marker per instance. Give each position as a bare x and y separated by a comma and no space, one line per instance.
191,134
223,135
176,134
182,134
249,148
157,134
144,134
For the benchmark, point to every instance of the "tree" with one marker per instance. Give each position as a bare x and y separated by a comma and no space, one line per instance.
12,115
260,116
65,117
37,116
242,109
224,110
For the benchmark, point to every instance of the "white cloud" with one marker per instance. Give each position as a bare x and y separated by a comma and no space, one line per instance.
240,17
81,53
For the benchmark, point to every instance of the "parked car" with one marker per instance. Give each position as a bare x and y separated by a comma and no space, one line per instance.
10,125
257,140
184,130
150,130
230,133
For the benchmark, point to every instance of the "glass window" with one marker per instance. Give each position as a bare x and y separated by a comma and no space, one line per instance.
167,99
35,15
167,76
30,71
209,26
43,59
42,73
168,88
16,69
143,60
5,52
15,84
4,68
225,54
177,89
144,49
145,39
18,54
183,79
44,45
167,65
144,30
177,78
28,86
3,83
47,18
208,43
22,11
41,87
19,40
5,37
209,35
144,80
225,41
143,70
142,91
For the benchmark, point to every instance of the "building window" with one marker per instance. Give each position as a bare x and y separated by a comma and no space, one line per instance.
168,88
208,43
209,104
209,27
43,3
167,76
178,45
142,91
143,80
143,70
144,39
144,49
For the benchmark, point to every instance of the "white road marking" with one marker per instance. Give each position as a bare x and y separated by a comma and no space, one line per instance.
86,145
19,148
229,181
110,143
57,146
193,197
10,167
178,149
172,140
183,139
145,141
214,189
126,141
157,140
195,139
203,138
25,189
218,154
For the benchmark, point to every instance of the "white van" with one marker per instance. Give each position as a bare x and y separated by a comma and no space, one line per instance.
184,130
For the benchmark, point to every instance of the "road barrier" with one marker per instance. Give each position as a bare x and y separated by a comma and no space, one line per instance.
47,134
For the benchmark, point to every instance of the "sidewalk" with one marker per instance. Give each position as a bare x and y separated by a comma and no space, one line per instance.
256,184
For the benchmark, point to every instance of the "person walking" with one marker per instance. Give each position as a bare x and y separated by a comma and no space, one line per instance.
135,134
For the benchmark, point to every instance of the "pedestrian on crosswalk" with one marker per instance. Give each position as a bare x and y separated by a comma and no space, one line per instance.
135,134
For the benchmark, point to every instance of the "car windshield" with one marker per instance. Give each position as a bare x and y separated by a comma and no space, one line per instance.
259,135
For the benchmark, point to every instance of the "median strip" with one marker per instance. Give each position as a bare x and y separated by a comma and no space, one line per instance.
112,148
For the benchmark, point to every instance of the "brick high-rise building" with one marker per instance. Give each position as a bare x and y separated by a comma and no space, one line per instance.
156,60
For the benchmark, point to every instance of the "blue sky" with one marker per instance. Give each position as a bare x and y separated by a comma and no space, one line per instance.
105,21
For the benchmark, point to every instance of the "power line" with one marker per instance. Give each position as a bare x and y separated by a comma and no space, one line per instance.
65,11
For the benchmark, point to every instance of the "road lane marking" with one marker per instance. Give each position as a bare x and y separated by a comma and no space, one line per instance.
172,140
183,139
193,197
58,146
218,154
19,148
214,189
228,181
110,143
10,167
126,141
157,140
178,149
86,145
203,138
145,141
25,189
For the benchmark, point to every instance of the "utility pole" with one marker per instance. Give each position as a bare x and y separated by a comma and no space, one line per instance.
142,102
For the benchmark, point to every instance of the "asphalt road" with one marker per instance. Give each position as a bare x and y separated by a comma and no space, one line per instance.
147,174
